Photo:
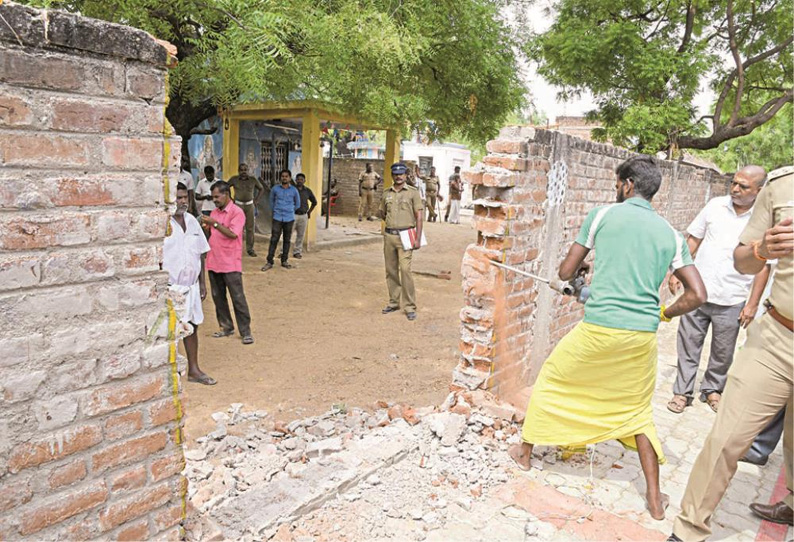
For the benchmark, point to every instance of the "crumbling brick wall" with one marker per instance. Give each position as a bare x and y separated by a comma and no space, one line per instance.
346,171
89,435
532,193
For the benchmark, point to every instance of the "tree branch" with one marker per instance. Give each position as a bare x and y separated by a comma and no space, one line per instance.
690,24
737,59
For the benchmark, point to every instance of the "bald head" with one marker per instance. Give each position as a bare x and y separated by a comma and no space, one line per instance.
745,186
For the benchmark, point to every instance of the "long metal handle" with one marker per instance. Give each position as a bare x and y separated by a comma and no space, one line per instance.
514,270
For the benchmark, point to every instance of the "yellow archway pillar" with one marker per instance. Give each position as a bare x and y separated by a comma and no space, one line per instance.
392,155
312,160
231,147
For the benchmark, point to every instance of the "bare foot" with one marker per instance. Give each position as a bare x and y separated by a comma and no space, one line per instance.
520,453
657,505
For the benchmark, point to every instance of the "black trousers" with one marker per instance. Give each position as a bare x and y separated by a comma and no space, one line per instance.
276,232
233,282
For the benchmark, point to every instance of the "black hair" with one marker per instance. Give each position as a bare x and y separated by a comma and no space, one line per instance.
644,171
221,186
209,169
287,171
300,175
181,186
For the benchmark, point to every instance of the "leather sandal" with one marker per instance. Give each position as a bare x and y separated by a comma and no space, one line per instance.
222,333
713,399
677,404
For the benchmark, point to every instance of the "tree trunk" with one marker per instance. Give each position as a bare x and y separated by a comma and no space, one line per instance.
185,116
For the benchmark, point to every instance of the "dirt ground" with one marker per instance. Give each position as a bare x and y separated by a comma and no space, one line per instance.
322,340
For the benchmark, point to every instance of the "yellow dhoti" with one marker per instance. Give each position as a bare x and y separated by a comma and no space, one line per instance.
595,386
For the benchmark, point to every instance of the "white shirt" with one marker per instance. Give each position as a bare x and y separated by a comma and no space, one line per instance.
182,252
186,178
719,226
204,189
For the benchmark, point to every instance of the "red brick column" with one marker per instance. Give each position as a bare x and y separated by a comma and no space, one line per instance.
88,435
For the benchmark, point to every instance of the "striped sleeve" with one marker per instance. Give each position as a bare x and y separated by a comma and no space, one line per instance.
587,234
682,256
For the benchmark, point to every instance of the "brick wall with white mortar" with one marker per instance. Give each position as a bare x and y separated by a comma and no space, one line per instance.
346,172
88,443
532,192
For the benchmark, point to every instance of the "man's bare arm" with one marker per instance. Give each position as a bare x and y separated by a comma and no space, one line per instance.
573,262
694,295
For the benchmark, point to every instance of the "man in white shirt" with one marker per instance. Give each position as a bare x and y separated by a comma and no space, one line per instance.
713,236
183,257
186,178
204,191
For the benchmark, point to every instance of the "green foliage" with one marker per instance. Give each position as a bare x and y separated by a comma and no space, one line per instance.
396,62
644,61
770,146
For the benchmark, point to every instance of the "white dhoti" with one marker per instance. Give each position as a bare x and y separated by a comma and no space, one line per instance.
187,303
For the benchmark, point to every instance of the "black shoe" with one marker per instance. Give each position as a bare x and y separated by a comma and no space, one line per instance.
753,460
411,316
370,218
776,513
360,219
252,253
297,256
388,308
286,265
673,538
267,267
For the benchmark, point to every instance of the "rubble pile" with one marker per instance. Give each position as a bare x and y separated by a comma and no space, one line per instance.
352,474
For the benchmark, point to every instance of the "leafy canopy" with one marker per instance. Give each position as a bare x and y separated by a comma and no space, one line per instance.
646,60
451,62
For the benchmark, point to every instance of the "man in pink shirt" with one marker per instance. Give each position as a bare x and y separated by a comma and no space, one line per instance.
225,262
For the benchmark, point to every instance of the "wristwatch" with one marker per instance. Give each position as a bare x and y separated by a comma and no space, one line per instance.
215,225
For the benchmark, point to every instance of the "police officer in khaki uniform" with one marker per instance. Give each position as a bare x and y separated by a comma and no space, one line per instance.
367,184
432,184
760,380
244,185
401,208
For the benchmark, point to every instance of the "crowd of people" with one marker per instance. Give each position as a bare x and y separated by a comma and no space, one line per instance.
598,382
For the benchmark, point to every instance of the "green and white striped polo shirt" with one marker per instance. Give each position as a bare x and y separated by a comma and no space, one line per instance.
634,249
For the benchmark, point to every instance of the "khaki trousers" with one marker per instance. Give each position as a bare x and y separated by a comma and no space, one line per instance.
249,225
398,273
431,206
365,203
759,385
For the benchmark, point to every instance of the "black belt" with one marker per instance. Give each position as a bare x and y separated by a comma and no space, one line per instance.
396,231
363,188
299,213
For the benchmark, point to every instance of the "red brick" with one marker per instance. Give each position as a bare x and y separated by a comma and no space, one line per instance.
44,150
123,425
133,532
506,146
122,511
81,192
115,396
507,162
67,474
14,111
85,116
14,492
27,233
129,451
65,505
39,71
55,446
132,153
128,479
168,517
162,412
168,465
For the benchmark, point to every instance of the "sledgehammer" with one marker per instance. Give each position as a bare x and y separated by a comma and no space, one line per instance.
577,287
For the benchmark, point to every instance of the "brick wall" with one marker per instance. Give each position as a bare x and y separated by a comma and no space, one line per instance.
532,192
346,171
88,435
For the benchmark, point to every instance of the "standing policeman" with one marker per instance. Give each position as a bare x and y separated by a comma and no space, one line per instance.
760,380
401,208
432,184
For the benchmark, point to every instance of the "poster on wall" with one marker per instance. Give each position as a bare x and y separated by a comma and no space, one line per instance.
295,163
207,150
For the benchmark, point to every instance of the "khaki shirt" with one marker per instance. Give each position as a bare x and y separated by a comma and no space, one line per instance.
368,180
244,187
774,203
432,183
399,208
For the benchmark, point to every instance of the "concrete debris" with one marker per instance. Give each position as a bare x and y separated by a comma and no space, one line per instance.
347,474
